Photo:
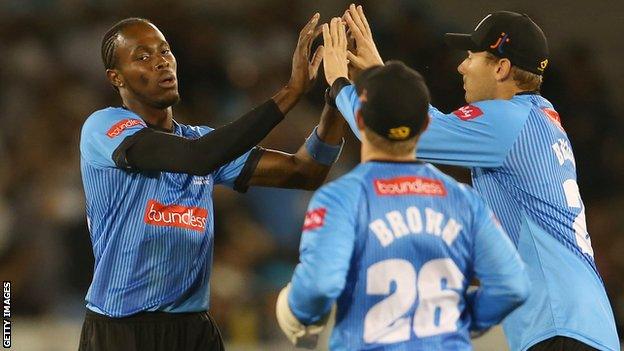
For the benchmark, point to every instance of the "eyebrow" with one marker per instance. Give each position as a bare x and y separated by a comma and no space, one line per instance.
146,48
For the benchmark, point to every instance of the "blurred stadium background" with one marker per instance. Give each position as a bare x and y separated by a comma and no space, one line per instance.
232,55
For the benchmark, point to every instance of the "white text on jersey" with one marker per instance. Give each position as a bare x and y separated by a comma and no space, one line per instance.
397,225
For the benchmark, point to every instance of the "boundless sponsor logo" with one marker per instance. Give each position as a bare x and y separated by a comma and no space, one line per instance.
194,218
121,125
409,186
314,218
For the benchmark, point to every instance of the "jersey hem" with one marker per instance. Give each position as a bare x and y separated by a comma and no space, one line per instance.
568,333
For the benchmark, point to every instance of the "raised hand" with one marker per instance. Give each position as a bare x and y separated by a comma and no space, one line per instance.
304,69
366,54
335,55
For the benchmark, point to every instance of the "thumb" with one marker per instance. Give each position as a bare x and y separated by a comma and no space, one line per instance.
316,60
355,61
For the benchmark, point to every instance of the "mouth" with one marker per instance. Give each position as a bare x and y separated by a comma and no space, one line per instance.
168,81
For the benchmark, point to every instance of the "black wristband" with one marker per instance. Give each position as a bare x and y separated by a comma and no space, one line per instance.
337,87
329,101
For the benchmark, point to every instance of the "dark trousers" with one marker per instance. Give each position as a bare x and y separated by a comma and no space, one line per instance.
561,343
150,331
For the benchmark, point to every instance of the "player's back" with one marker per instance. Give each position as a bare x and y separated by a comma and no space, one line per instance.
536,196
412,260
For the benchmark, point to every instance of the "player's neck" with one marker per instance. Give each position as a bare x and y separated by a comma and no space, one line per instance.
370,153
507,91
155,117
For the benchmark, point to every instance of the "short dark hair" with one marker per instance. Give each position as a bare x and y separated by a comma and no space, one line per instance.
109,41
525,80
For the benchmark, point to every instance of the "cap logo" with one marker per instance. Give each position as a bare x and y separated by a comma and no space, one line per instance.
399,133
483,20
543,65
504,38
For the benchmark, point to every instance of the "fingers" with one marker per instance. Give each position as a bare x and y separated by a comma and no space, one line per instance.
353,27
307,35
342,34
318,30
308,28
360,11
355,15
317,58
333,29
327,39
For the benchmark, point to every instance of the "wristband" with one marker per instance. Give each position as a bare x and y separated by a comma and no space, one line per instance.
329,100
320,151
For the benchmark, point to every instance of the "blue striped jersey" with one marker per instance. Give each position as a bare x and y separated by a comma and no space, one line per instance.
396,245
523,165
152,232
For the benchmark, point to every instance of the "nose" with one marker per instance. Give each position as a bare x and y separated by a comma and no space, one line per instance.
461,68
162,63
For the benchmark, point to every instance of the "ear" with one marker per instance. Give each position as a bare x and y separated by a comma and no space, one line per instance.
503,69
426,124
359,120
115,78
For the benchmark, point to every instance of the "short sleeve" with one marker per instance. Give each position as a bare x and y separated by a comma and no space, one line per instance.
348,102
229,172
476,135
104,131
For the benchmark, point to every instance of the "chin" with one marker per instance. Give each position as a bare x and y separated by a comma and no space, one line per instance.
168,101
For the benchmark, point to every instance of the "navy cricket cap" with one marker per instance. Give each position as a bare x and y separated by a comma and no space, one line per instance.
508,35
395,100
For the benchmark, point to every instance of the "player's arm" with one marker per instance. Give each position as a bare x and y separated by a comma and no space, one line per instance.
475,135
309,166
327,244
504,282
150,150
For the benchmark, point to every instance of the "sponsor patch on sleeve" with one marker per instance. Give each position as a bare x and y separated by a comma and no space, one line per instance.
553,116
314,218
409,186
468,112
119,127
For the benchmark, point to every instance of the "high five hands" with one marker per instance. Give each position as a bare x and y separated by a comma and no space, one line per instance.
354,49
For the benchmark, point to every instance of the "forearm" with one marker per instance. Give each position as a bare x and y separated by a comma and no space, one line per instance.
157,151
300,170
287,98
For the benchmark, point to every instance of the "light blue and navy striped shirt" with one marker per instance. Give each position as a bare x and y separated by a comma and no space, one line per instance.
523,165
396,244
152,232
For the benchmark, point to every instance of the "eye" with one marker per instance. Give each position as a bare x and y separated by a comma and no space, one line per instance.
143,57
166,51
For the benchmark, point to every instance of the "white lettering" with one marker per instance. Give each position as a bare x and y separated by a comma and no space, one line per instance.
414,220
434,221
397,224
382,232
450,232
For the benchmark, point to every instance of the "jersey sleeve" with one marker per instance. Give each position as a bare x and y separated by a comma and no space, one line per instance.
348,102
326,247
103,132
504,282
476,135
229,172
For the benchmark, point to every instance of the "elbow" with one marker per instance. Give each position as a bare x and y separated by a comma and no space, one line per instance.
329,286
310,176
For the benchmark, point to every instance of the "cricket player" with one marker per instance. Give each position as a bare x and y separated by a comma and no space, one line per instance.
522,163
395,242
148,182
